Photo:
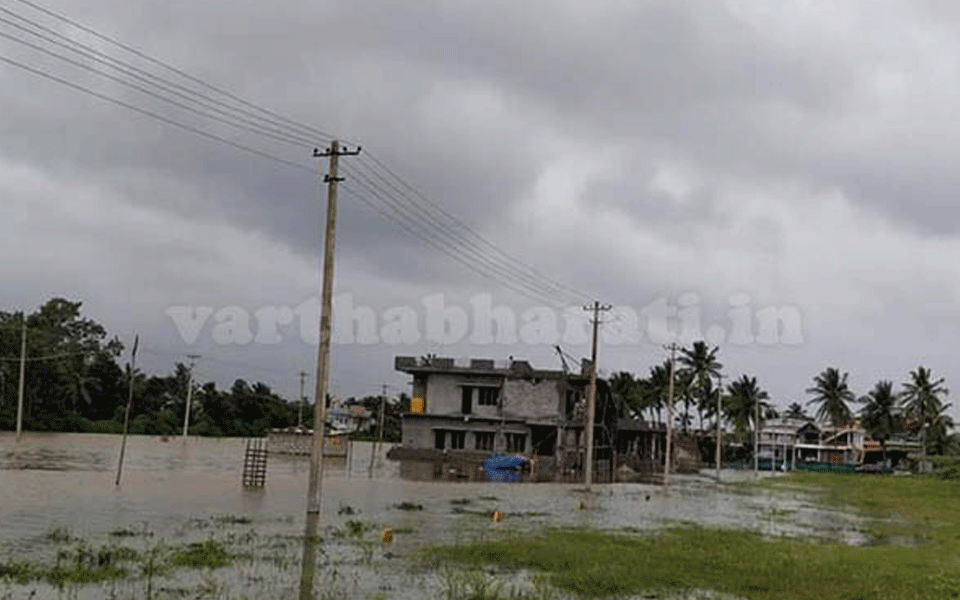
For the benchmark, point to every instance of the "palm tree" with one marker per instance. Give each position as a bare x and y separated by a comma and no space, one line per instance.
700,361
741,401
656,388
626,394
796,411
921,400
939,427
880,415
831,392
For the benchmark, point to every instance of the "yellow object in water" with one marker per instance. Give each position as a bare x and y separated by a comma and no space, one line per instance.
497,516
386,536
416,406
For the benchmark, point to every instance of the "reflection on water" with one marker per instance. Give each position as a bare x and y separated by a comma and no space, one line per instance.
67,480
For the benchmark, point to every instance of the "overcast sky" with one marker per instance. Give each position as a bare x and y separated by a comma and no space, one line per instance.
799,155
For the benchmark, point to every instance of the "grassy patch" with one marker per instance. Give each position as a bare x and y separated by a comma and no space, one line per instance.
210,554
915,506
409,506
592,563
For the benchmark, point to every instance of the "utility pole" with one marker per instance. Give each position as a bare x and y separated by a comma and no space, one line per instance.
379,443
592,394
23,372
666,465
310,541
303,374
756,442
719,416
186,414
126,414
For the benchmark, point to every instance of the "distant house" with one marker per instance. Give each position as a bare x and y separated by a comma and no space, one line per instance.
802,444
778,439
463,411
349,418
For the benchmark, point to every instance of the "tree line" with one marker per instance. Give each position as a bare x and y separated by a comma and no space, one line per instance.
75,382
917,408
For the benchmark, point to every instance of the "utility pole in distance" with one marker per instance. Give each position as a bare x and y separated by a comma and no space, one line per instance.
303,374
719,415
23,372
310,542
666,465
186,414
592,395
126,414
379,442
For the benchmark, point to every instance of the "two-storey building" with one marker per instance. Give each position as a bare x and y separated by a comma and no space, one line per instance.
462,412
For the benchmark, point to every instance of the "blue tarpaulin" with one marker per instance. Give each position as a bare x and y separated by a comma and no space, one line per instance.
505,467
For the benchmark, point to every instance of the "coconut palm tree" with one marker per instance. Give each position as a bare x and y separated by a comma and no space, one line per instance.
656,388
700,362
796,411
831,392
740,403
626,394
939,426
880,413
921,400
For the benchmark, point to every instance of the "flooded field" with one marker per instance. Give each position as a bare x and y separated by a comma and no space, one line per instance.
59,506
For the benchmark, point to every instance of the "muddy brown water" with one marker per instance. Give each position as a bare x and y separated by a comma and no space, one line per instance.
187,490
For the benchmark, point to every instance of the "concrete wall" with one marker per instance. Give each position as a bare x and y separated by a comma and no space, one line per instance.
418,432
535,401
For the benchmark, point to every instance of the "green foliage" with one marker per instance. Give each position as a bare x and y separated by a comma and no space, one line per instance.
84,389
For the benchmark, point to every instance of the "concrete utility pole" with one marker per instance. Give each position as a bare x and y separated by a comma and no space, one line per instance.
719,416
666,465
186,414
379,442
23,372
310,542
756,442
303,374
592,395
126,414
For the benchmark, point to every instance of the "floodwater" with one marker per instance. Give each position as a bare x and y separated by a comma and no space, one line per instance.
190,490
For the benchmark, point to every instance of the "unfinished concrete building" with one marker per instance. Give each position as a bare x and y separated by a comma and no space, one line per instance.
464,411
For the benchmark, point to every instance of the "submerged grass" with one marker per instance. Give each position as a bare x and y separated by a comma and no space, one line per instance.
592,563
210,554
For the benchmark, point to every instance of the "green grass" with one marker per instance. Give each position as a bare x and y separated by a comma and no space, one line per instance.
591,563
210,554
923,507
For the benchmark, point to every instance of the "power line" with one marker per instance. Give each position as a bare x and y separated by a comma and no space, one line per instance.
504,269
472,233
151,79
170,68
441,242
153,115
456,235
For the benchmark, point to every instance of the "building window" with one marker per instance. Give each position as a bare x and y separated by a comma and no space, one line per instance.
439,439
488,396
484,440
466,399
458,440
516,442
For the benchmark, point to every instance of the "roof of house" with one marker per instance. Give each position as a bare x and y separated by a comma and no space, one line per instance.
517,369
